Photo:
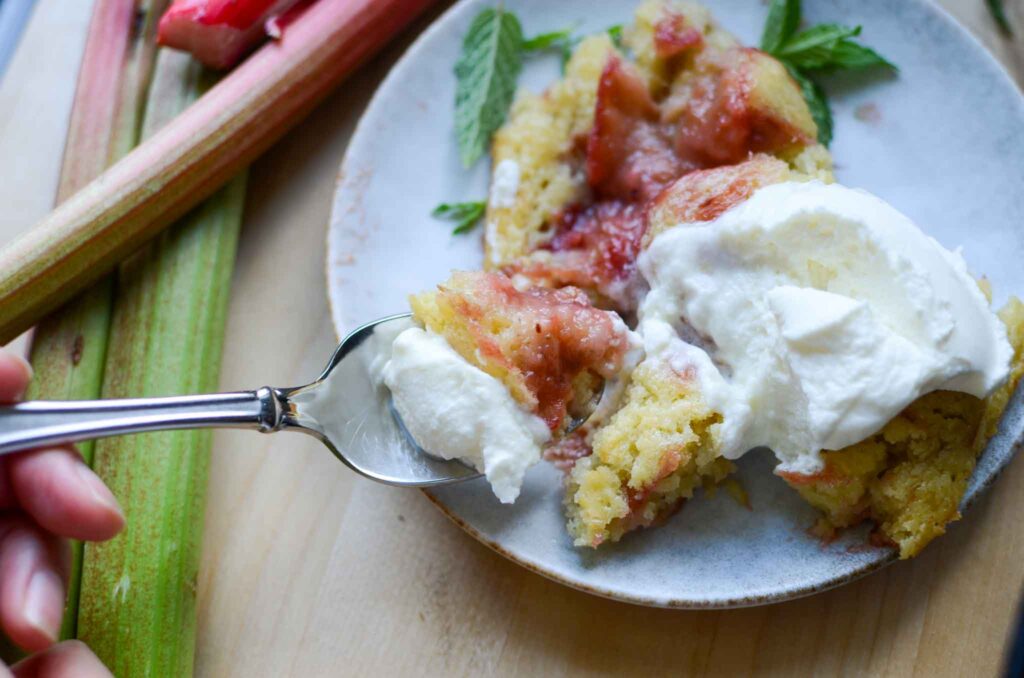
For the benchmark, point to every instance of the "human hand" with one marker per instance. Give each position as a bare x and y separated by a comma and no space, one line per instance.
46,497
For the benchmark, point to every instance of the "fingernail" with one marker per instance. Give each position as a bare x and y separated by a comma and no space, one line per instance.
98,490
44,602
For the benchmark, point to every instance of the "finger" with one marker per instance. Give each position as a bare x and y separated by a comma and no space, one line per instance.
70,659
33,567
15,373
63,495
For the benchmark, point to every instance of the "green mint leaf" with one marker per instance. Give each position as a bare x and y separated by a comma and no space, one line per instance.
813,48
567,47
464,214
782,22
817,103
850,55
486,75
998,12
615,33
545,40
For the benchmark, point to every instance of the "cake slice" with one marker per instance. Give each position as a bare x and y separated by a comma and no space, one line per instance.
910,477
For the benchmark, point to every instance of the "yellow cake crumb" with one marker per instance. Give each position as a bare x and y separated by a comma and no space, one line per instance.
652,454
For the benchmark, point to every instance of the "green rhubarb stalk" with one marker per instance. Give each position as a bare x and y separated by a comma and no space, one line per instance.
137,608
69,347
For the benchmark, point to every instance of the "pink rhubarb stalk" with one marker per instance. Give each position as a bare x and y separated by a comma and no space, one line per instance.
194,155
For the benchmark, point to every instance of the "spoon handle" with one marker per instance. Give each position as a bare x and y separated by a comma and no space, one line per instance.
36,423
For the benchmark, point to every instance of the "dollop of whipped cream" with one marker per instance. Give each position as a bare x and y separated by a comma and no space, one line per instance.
455,410
823,312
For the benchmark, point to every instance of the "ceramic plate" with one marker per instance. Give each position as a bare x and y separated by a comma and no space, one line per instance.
941,141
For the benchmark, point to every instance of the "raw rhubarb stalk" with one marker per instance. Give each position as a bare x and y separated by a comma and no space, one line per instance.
193,156
137,607
219,32
68,347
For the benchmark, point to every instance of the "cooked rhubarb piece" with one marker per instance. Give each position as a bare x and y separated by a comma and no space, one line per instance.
734,103
219,32
629,152
594,248
674,34
550,348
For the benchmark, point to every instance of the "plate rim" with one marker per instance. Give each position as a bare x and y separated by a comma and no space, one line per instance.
404,62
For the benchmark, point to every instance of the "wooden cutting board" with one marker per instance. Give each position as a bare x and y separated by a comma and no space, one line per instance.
308,570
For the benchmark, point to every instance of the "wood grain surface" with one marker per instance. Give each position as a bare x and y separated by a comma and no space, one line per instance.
311,571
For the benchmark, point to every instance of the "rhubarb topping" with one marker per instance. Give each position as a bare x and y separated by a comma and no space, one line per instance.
674,34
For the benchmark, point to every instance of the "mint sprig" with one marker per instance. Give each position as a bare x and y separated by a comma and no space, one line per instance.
815,51
816,103
998,11
486,75
487,70
615,33
564,41
464,214
545,40
782,22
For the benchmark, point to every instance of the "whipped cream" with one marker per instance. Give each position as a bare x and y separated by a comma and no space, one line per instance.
823,312
456,411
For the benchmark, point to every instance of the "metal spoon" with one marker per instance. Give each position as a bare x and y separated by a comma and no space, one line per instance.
347,408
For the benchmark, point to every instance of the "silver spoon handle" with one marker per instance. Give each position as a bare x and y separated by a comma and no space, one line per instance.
36,423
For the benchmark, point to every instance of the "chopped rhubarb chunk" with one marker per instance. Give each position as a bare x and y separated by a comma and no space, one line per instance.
673,35
593,247
629,154
721,123
609,231
218,32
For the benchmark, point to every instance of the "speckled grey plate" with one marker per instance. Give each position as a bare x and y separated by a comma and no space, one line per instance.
942,141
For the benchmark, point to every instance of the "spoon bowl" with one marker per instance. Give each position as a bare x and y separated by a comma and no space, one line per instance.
347,408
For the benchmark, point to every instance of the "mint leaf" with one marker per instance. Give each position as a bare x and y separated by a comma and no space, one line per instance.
814,47
486,74
782,22
995,7
563,41
820,49
817,103
615,33
545,40
465,214
849,55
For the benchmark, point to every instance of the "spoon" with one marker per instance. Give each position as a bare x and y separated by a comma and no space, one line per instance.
347,408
